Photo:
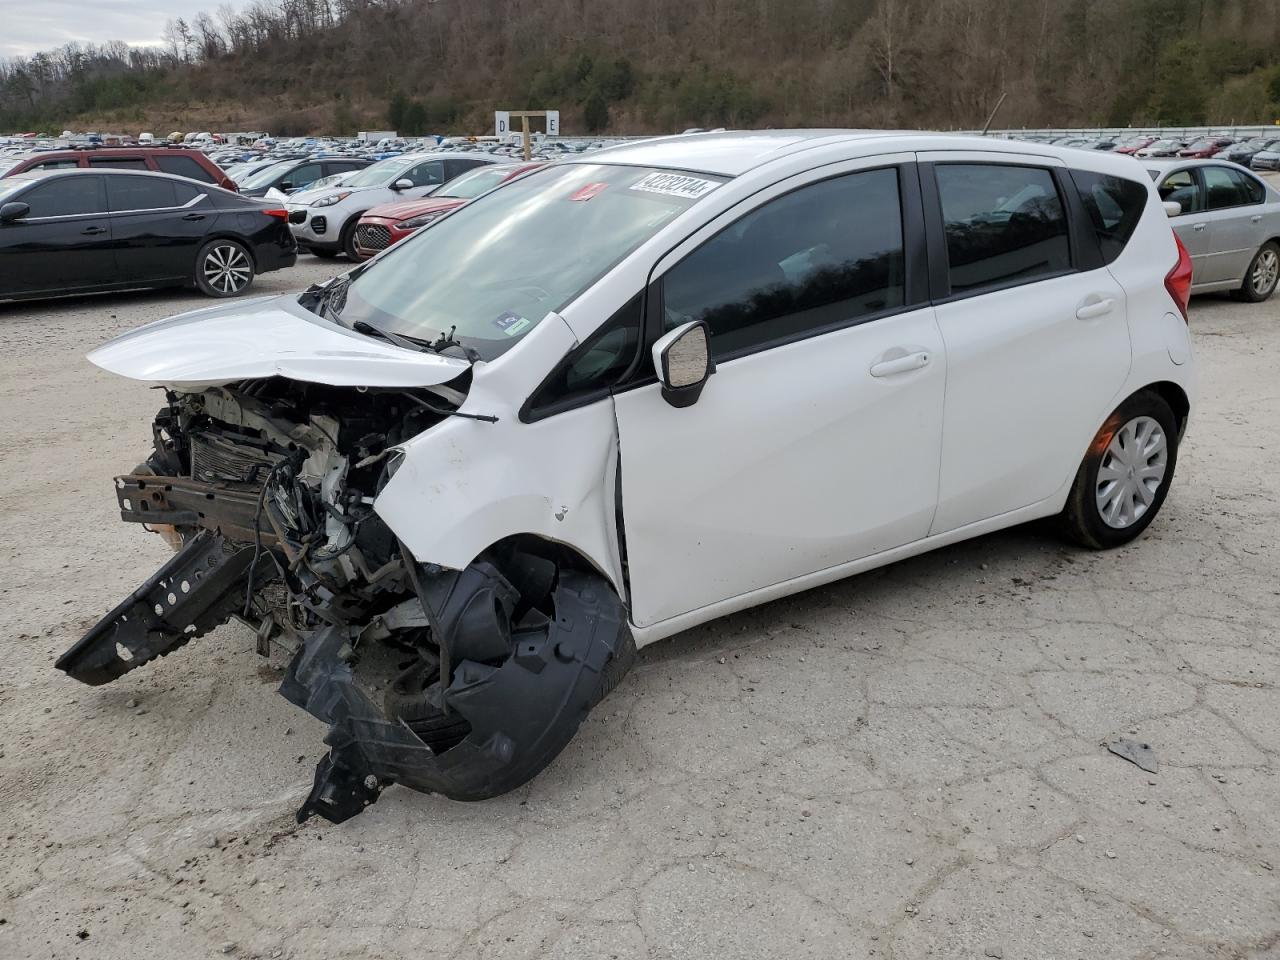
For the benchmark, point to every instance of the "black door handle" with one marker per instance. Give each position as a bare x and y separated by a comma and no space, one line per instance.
93,231
192,217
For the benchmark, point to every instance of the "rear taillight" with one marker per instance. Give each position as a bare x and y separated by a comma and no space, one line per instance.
1178,281
279,213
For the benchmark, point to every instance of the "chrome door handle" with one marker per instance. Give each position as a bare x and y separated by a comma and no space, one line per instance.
93,231
193,217
912,361
1199,227
1256,218
1092,310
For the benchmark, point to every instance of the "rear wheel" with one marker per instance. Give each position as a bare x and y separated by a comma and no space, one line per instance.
1262,276
223,268
1125,476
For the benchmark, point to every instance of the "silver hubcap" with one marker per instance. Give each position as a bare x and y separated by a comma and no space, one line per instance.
1131,472
227,269
1266,271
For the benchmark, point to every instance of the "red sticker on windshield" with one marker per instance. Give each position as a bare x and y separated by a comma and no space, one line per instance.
589,191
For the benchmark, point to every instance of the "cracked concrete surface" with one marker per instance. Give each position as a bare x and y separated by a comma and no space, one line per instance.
898,766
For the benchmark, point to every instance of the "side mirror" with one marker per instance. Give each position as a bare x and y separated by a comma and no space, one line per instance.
13,210
683,361
1173,208
402,184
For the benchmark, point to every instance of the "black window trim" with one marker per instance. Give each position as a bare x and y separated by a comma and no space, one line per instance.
1078,247
529,413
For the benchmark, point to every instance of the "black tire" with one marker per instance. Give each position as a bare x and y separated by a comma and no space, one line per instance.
408,698
349,239
1262,276
224,268
1082,520
322,254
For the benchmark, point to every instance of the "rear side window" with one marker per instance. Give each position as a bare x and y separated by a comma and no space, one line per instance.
820,257
1114,205
181,166
140,193
119,163
67,197
1226,188
425,174
1004,225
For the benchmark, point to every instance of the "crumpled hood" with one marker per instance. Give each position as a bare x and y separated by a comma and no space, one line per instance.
404,209
265,337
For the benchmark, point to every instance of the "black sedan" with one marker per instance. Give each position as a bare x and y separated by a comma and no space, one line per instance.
80,231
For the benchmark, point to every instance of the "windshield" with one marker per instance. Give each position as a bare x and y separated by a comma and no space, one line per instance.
9,187
1201,144
496,267
1165,145
382,172
471,185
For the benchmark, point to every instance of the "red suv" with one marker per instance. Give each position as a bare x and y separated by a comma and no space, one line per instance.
183,163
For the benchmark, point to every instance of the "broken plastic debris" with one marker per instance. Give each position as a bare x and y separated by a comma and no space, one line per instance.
1139,754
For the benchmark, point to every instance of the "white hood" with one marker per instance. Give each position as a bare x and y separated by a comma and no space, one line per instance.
266,337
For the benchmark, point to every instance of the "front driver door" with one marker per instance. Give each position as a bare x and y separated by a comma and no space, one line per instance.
816,442
64,243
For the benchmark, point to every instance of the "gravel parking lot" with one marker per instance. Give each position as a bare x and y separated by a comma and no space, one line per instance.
901,765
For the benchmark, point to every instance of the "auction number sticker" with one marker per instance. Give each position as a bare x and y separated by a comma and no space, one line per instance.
675,185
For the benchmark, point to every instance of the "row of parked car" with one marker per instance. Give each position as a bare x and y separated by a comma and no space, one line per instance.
170,231
1255,153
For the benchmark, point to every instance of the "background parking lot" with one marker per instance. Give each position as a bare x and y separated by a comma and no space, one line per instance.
901,765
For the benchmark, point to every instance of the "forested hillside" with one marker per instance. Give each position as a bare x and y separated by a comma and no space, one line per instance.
636,66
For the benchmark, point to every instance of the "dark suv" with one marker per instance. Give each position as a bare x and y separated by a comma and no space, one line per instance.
183,163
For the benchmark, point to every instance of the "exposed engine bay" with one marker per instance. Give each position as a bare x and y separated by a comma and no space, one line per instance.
460,682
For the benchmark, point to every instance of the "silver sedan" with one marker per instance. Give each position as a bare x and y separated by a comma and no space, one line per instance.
1229,221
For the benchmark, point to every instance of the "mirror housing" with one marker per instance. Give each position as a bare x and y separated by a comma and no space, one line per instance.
404,183
13,210
683,361
1173,208
285,185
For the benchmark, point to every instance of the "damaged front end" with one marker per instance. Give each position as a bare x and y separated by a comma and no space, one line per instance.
460,682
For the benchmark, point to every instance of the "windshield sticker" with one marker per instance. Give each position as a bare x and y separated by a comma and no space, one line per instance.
675,185
589,191
511,324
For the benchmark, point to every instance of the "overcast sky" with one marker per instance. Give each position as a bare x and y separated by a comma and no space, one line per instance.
27,26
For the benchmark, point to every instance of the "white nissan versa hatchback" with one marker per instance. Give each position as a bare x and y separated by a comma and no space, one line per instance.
631,392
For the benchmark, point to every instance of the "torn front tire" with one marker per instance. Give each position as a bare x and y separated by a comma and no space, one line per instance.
517,715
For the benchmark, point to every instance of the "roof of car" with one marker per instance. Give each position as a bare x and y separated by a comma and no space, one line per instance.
733,153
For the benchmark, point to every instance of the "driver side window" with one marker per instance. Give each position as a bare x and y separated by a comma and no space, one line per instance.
822,256
426,174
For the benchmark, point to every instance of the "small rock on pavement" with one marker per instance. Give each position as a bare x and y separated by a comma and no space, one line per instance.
227,947
994,951
131,704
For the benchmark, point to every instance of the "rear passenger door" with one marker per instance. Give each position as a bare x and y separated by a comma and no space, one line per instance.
158,224
1037,343
1233,202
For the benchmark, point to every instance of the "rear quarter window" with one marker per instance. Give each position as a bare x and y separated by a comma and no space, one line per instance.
183,167
1114,205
